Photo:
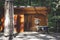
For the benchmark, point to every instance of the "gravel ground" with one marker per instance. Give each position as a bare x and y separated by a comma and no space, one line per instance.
33,36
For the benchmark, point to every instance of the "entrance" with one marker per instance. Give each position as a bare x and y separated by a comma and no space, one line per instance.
27,22
33,21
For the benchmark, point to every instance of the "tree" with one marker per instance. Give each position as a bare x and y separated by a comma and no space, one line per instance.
9,19
54,15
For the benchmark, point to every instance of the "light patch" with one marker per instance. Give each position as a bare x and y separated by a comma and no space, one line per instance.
42,35
5,38
22,23
15,31
22,18
1,28
7,20
2,20
6,23
15,22
34,39
50,37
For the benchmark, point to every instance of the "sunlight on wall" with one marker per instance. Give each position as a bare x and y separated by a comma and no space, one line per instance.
2,24
22,18
2,19
15,22
22,23
1,28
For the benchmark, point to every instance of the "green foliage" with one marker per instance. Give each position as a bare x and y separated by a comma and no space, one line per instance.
20,2
1,3
29,2
32,2
54,15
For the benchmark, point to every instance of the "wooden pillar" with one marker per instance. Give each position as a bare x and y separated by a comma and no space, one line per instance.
18,23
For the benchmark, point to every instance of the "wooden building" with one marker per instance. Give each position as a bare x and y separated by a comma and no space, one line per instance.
28,18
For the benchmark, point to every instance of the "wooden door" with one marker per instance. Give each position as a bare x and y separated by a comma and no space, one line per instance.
27,22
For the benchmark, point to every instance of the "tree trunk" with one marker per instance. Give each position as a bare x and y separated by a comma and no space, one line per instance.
9,19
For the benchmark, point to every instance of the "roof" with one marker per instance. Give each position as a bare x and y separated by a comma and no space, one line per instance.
31,10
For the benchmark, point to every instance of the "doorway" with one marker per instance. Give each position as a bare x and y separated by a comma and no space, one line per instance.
27,22
30,23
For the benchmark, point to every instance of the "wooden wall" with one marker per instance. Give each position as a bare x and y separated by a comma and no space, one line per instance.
30,13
